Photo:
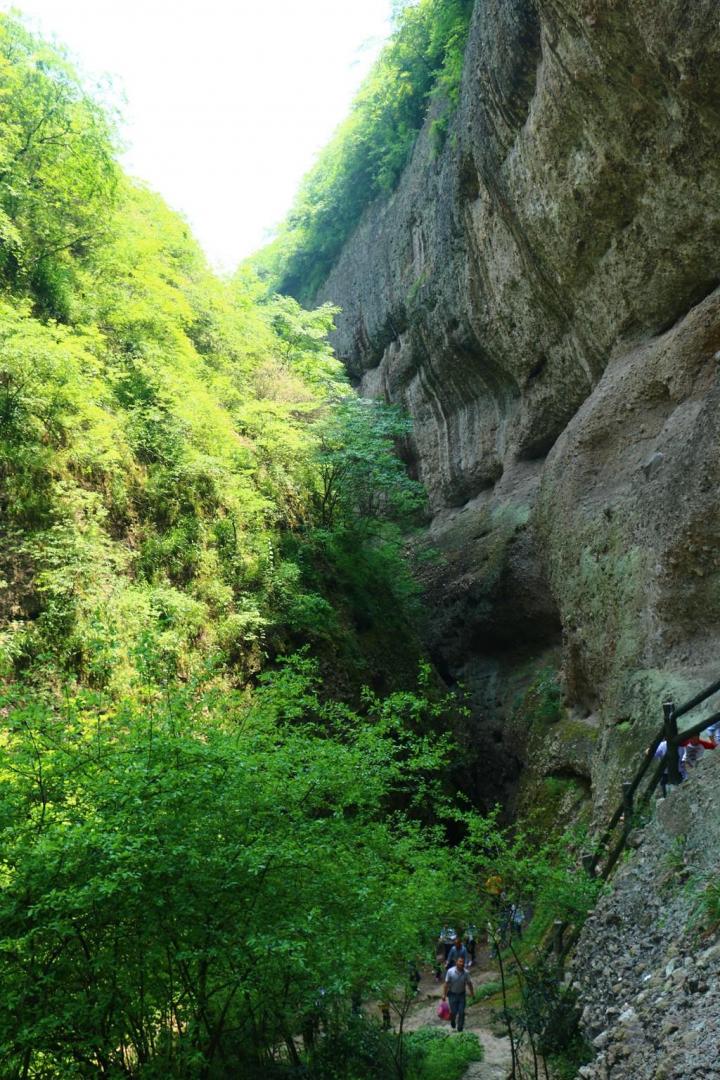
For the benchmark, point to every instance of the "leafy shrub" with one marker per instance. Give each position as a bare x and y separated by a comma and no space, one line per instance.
356,1049
487,990
711,902
564,1065
435,1055
704,895
164,858
361,1050
58,176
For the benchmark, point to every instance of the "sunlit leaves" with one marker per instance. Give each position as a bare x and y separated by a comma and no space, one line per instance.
187,489
177,435
162,865
57,169
361,476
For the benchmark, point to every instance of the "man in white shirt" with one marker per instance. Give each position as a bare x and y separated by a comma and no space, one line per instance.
457,981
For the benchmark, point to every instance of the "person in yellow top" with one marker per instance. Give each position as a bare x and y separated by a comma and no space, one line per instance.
494,885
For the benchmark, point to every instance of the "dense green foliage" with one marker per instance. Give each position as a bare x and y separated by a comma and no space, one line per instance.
192,878
178,462
537,869
540,871
421,66
57,172
188,490
439,1058
543,1024
362,1050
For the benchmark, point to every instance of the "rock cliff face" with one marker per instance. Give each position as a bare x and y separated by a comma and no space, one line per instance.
647,968
542,296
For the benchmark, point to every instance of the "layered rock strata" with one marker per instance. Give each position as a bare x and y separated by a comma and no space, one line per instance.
540,295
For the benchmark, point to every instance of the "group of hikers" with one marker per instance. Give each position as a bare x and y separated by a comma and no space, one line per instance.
690,751
455,956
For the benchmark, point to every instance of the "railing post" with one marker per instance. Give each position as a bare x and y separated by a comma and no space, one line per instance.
671,755
627,799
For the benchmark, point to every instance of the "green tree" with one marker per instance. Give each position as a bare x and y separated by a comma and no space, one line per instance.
362,479
162,867
57,172
169,808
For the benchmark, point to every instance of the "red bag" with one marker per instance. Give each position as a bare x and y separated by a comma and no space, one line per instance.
443,1010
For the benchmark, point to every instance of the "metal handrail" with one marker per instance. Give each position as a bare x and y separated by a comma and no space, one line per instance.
674,738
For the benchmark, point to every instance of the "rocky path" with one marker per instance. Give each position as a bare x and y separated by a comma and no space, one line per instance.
496,1063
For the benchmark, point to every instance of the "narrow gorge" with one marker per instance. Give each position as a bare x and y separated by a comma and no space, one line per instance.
541,293
342,596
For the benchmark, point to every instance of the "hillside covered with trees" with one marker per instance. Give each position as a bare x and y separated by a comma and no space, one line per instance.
188,492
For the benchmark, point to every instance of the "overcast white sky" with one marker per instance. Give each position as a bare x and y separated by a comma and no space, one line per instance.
227,101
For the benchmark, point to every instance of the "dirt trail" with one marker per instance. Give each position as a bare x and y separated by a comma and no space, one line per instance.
496,1063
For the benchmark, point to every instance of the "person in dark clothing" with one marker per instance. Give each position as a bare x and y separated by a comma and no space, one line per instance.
458,949
445,941
661,752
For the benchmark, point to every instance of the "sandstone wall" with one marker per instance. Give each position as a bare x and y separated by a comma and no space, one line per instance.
541,296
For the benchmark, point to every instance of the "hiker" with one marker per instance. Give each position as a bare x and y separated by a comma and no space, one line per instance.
694,748
517,918
457,981
445,941
309,1027
494,887
310,1023
413,976
457,950
661,753
471,935
505,923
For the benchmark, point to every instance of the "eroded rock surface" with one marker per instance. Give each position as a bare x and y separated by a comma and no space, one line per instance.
630,519
647,966
541,296
575,206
